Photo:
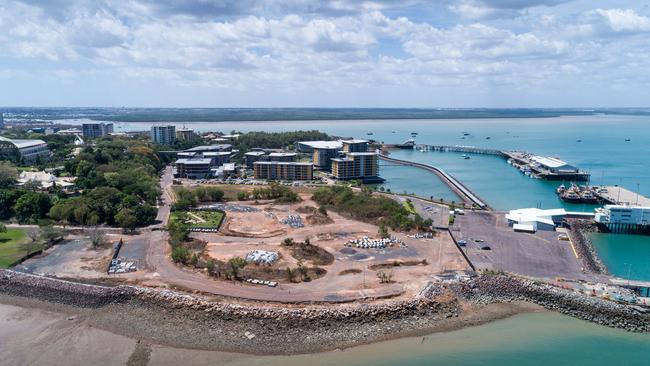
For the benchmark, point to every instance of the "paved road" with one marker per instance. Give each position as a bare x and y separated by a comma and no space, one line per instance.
540,255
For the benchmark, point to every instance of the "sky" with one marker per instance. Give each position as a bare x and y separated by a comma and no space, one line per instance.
303,53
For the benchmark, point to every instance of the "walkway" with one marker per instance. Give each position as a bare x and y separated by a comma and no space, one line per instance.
463,192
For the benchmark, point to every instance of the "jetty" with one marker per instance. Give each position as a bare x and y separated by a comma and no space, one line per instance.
535,166
465,194
617,195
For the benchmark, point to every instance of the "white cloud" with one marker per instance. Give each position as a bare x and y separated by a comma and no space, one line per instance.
332,46
625,20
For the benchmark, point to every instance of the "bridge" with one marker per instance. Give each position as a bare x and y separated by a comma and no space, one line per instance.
465,194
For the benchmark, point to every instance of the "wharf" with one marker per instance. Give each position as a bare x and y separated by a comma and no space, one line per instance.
621,196
525,160
529,163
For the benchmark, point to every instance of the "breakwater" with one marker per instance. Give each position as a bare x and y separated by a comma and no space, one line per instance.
457,187
504,288
192,321
198,322
579,231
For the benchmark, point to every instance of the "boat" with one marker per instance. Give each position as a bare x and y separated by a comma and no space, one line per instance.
571,196
627,140
465,156
370,134
588,197
393,131
578,140
465,133
414,134
487,138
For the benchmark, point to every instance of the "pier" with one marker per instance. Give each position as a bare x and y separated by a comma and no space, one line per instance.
620,196
466,195
536,166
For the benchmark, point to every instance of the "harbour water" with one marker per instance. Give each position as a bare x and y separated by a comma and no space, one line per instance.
593,143
528,339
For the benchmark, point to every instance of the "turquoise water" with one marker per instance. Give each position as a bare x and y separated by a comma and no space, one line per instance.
602,151
624,254
529,339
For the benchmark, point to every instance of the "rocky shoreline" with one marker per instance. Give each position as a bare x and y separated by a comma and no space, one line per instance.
579,231
504,288
197,322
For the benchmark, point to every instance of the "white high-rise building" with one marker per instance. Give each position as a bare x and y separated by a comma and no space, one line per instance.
164,135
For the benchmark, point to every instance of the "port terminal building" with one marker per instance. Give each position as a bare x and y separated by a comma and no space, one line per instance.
621,218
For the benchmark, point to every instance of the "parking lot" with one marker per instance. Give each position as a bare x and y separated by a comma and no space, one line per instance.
541,254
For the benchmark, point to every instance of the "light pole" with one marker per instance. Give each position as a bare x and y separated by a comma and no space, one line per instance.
637,194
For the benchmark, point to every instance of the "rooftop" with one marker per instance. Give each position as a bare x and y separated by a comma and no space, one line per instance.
216,153
355,141
21,144
549,161
194,161
215,147
255,153
281,163
322,144
362,154
282,154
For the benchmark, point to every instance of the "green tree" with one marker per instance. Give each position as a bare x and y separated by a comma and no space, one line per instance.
383,232
32,207
8,173
51,234
126,219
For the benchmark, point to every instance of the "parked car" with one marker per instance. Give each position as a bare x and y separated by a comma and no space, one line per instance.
462,243
485,247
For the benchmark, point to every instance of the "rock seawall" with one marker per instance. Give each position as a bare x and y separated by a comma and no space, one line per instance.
579,231
504,288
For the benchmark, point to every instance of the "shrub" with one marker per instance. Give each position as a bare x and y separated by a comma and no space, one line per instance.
180,254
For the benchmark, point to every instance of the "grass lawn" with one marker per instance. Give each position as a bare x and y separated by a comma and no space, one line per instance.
10,246
201,218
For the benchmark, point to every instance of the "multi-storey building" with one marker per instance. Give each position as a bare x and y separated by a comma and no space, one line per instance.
354,146
281,156
360,165
252,157
164,135
217,158
276,170
192,168
185,134
95,130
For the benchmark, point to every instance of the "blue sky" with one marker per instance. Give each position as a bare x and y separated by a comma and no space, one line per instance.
303,53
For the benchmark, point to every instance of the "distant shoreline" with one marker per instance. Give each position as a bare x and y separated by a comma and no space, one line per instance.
215,115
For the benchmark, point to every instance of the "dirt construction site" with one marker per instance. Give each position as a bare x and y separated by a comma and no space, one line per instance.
339,267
